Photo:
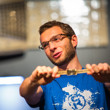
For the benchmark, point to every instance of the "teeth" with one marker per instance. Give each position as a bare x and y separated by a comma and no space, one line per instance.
56,55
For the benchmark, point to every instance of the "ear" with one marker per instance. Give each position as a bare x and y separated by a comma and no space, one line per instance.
74,40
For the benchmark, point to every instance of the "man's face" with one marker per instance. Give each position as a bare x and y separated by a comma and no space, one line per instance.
59,53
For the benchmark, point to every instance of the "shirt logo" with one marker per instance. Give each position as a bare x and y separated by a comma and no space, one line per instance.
76,99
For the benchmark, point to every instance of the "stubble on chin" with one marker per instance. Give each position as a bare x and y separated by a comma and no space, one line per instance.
68,56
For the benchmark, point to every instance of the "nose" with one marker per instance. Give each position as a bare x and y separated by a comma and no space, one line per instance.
52,46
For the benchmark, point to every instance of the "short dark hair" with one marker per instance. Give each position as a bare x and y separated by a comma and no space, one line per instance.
65,27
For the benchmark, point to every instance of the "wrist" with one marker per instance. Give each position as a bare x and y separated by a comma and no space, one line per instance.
33,81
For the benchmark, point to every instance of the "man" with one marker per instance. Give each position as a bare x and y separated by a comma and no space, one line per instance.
52,91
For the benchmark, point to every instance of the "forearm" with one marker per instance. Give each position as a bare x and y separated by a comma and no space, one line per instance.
30,91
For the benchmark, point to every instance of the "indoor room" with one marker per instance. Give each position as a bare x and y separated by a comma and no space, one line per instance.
20,40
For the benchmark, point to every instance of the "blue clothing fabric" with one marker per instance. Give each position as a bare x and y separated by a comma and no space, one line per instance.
75,92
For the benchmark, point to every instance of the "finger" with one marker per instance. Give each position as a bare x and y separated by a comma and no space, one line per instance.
36,73
89,67
46,71
105,66
41,71
95,68
100,66
55,71
49,72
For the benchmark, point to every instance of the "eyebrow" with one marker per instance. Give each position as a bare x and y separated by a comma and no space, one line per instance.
52,38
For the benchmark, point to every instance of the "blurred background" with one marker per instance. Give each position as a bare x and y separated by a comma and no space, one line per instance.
19,39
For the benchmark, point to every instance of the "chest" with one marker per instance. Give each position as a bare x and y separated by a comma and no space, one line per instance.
74,93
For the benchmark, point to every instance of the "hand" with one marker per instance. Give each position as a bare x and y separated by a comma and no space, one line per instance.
43,75
100,72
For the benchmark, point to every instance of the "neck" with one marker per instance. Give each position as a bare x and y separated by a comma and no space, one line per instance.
73,64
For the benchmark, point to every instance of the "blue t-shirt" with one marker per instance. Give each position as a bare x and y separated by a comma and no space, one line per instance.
75,92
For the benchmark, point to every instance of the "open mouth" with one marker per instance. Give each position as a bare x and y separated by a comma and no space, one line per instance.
57,55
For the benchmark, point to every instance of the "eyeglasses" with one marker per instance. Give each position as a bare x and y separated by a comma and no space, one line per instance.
54,39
